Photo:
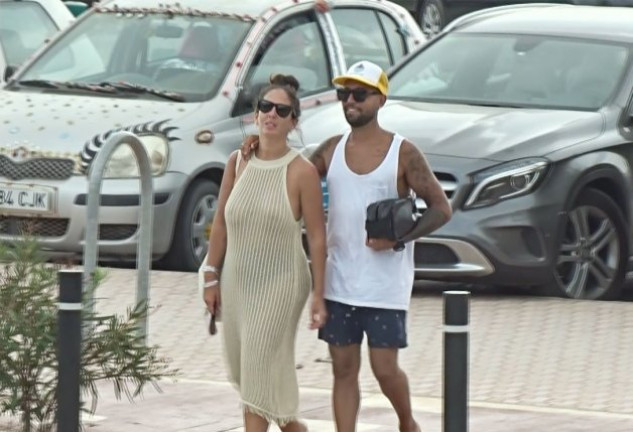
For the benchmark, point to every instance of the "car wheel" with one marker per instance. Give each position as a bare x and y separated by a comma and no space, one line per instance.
593,249
191,235
431,17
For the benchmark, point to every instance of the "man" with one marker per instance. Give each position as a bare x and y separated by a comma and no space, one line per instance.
369,281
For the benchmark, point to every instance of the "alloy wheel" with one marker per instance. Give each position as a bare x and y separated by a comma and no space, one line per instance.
201,221
589,254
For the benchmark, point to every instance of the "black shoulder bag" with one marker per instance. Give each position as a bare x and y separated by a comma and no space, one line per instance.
391,219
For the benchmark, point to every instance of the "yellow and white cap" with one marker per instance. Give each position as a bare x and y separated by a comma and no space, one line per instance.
367,73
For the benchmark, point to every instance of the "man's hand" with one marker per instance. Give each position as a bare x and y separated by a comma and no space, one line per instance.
321,6
380,244
318,313
249,145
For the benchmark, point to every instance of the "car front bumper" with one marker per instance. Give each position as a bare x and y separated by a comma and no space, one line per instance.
61,231
510,243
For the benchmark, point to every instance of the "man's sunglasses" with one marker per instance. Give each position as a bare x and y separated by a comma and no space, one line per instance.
360,94
265,106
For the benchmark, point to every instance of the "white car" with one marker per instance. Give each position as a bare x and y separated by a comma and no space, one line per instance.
24,27
183,76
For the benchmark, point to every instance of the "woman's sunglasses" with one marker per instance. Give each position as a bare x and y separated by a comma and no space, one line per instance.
360,94
265,106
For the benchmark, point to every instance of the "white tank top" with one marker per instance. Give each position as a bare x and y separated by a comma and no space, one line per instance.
356,274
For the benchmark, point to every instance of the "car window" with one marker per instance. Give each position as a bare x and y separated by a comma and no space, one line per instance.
514,70
395,38
186,54
294,47
362,36
24,27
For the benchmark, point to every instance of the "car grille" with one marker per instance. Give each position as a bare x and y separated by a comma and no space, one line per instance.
429,253
449,185
448,182
116,231
40,227
41,168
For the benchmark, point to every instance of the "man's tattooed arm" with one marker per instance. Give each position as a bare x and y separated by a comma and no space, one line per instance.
322,156
420,178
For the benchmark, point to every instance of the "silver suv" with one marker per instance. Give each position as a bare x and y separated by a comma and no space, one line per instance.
182,76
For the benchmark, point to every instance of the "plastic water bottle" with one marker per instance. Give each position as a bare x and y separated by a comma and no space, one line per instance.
326,195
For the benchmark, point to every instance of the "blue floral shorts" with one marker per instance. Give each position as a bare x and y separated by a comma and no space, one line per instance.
346,325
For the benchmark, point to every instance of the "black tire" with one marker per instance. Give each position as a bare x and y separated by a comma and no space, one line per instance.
431,17
190,241
593,250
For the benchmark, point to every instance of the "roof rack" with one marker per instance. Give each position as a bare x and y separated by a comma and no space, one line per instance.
494,11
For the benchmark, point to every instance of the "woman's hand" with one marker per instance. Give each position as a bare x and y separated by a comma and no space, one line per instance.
211,294
318,313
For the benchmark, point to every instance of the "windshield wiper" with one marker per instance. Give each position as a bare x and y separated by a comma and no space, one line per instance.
125,86
39,83
48,84
495,104
104,87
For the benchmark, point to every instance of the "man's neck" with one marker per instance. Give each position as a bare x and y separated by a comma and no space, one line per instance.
367,133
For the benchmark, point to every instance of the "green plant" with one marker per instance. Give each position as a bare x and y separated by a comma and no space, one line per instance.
112,350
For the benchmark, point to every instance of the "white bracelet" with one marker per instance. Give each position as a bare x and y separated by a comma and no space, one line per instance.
210,269
211,283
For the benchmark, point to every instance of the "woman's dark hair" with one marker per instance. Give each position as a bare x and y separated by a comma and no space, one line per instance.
287,83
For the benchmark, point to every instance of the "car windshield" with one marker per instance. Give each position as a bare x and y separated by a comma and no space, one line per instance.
513,70
24,27
187,55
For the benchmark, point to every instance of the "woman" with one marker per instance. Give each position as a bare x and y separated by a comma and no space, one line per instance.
264,276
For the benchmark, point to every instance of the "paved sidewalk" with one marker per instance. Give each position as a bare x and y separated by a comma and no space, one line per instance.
536,364
214,407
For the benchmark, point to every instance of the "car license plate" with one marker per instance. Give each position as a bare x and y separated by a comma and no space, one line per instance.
26,199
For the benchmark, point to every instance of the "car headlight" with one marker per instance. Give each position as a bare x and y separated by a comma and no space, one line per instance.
505,181
122,163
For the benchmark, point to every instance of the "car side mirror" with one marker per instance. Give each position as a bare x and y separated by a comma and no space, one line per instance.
8,72
76,7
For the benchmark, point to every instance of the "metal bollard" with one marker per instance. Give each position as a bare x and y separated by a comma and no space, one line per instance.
69,349
456,361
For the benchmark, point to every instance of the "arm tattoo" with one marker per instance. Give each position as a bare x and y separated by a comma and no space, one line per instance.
319,157
418,173
420,178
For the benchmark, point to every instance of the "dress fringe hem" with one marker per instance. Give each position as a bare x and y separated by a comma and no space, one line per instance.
270,418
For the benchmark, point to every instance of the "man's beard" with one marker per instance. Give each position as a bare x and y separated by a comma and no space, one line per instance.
359,120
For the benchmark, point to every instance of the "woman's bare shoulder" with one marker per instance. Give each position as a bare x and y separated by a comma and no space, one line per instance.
301,166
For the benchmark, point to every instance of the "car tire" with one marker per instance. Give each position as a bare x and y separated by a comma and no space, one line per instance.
190,240
593,250
431,17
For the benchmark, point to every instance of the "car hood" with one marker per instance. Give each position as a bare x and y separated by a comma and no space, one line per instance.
60,122
493,133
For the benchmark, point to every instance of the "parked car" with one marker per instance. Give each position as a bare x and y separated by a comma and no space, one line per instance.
25,26
434,15
525,116
183,76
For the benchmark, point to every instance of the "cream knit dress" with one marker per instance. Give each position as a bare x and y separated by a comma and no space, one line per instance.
265,284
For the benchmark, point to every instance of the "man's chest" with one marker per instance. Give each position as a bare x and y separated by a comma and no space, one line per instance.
364,159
